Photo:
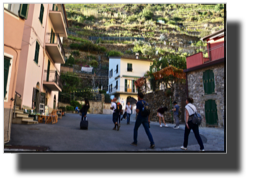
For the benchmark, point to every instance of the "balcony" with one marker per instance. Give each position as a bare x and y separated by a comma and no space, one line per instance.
52,80
58,21
55,48
215,52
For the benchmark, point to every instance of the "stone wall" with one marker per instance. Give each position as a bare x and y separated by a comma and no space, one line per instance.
7,124
158,99
196,91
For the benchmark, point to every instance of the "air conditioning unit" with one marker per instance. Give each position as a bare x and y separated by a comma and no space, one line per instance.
41,108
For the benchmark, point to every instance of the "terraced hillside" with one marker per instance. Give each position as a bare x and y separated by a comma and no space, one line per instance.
97,31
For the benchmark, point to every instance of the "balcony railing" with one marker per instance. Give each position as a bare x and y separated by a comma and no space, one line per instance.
55,40
215,52
52,76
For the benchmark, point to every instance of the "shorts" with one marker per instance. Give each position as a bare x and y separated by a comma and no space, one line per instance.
160,115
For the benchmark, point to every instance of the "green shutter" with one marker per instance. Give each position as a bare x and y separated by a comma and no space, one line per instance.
53,37
212,83
24,10
48,69
133,86
56,8
205,81
211,112
36,57
6,72
53,9
125,85
41,13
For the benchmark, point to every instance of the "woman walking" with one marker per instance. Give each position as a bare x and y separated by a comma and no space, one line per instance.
128,110
190,109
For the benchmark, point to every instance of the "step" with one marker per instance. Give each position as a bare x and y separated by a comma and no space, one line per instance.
17,107
22,115
19,111
30,122
27,119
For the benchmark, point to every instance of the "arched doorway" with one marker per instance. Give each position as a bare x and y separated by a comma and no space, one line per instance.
132,101
35,97
54,103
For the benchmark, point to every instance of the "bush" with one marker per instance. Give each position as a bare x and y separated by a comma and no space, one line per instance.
107,98
70,60
70,108
147,14
94,63
75,104
102,91
114,53
76,53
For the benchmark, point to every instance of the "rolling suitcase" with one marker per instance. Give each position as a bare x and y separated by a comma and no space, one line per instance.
84,124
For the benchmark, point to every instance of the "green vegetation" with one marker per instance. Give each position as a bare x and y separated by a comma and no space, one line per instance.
75,104
114,53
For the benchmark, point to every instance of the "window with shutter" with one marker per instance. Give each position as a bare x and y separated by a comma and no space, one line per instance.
208,82
129,67
48,69
6,73
125,85
116,84
41,13
23,13
133,86
36,57
116,68
111,87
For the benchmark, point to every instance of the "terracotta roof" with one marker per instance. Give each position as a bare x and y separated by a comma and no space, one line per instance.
208,36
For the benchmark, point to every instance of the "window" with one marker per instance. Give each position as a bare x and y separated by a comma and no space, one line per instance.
55,8
7,63
52,37
208,82
41,13
111,87
110,73
14,8
211,112
36,57
23,13
129,85
116,85
129,67
117,68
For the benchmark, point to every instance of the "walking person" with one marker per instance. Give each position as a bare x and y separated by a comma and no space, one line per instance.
115,114
160,114
144,120
85,109
176,113
190,109
128,110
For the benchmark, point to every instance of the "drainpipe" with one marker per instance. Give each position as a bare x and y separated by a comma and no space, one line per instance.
209,48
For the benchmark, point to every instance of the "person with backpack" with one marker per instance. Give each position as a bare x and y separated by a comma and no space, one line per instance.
176,113
143,117
160,114
85,109
190,111
116,107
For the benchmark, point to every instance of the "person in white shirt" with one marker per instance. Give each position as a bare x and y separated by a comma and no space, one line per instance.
190,109
115,114
128,110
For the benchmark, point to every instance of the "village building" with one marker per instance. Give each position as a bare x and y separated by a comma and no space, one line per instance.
42,53
205,80
123,72
15,16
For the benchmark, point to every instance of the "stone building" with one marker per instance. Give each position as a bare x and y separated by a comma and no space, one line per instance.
205,80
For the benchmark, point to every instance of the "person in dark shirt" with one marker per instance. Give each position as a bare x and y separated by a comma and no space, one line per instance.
176,113
160,114
85,109
142,120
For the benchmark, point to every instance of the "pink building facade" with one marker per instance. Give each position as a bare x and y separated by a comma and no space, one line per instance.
38,80
13,22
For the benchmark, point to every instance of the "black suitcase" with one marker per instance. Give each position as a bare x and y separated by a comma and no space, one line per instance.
84,124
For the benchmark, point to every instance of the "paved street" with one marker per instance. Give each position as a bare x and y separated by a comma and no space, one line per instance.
67,136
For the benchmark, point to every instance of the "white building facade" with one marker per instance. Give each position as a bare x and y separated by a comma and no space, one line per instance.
122,74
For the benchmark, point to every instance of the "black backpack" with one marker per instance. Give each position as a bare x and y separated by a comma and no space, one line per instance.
145,110
118,107
197,118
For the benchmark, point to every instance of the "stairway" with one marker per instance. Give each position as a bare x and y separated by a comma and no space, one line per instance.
22,118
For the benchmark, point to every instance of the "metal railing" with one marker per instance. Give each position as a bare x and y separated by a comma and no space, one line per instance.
52,76
55,39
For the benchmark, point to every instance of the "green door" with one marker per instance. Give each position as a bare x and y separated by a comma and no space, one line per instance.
6,72
48,69
125,85
211,112
208,82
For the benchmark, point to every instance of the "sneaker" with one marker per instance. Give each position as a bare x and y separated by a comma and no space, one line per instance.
202,150
183,148
152,146
166,125
176,127
134,144
160,125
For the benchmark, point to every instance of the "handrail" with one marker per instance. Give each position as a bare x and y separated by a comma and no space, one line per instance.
18,94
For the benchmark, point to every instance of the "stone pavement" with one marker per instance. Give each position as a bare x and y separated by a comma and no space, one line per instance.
215,138
66,136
